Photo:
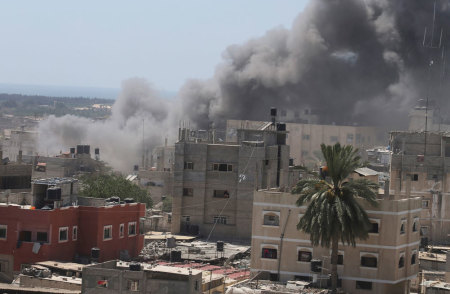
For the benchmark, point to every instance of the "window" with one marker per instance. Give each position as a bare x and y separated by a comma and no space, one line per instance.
221,194
223,167
350,138
402,226
374,226
401,261
415,224
63,234
121,230
305,136
304,255
340,260
363,285
3,232
25,236
425,203
42,237
424,231
131,228
75,233
413,257
333,139
188,165
186,218
369,260
271,219
188,192
103,283
133,285
220,220
107,232
414,177
269,253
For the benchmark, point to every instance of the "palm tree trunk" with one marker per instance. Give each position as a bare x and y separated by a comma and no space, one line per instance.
334,258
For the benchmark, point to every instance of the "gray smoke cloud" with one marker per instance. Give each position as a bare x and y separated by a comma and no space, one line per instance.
119,137
351,61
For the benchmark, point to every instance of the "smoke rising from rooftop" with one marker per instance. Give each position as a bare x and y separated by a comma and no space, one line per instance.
350,61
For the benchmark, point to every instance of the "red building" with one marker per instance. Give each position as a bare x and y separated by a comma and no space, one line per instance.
28,236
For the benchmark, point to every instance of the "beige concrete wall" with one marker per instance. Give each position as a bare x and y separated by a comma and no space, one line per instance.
389,244
27,281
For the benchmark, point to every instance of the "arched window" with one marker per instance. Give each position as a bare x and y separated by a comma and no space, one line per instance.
369,260
271,218
413,257
401,262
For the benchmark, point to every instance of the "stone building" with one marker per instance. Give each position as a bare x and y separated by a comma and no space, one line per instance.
305,139
384,263
214,182
420,158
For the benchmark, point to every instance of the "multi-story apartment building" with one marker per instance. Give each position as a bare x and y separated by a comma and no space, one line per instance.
384,263
214,182
305,139
420,158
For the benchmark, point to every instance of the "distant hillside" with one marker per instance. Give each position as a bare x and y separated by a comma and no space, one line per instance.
38,106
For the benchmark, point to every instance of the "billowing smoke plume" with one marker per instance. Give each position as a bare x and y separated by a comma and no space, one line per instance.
138,114
350,61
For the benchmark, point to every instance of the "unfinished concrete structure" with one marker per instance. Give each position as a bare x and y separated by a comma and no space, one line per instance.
420,167
214,183
384,263
305,139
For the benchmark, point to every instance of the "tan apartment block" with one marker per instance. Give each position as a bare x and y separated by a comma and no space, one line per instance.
213,183
423,160
384,263
305,139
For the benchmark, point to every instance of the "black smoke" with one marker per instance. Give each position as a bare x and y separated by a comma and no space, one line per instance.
351,61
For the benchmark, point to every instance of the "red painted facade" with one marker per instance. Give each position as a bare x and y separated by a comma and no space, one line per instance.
89,221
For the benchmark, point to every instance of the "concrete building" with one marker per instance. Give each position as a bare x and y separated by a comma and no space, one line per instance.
20,141
15,177
29,235
384,263
305,139
121,277
420,159
213,183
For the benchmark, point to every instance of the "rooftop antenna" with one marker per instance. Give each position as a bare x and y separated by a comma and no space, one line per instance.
430,46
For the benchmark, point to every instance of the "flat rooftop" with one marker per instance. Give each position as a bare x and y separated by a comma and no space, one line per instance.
66,266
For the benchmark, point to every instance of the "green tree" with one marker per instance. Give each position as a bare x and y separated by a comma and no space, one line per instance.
105,186
334,213
167,204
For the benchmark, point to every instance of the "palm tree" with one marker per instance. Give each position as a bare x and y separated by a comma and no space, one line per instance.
333,213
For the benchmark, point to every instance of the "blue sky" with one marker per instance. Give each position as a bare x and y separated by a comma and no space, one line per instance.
101,43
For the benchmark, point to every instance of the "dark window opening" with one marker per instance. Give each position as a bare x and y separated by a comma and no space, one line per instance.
415,177
413,259
3,232
340,260
363,285
304,256
15,182
373,228
401,262
269,253
188,192
63,235
222,167
188,165
414,228
368,261
402,228
221,194
25,236
273,277
271,220
42,237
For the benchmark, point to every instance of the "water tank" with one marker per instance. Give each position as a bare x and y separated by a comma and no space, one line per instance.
97,151
175,256
114,199
53,194
86,149
95,253
219,246
129,200
134,266
80,149
170,242
316,265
